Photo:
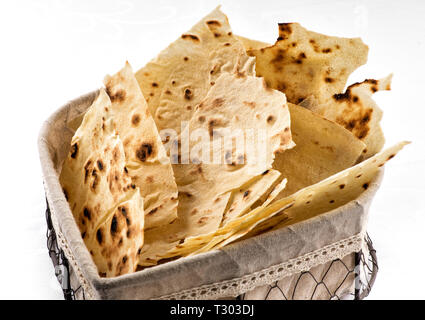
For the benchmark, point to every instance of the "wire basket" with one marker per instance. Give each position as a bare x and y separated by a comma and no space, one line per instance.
364,273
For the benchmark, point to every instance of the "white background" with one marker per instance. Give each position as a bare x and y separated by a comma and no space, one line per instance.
54,51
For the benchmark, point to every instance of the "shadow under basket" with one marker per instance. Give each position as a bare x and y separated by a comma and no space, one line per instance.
328,256
358,269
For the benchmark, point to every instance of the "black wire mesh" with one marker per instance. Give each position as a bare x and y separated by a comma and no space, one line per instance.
368,265
60,262
349,278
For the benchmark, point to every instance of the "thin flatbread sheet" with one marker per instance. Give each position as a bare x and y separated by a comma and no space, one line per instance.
330,193
246,196
303,63
356,111
116,241
95,182
177,80
323,148
147,162
205,185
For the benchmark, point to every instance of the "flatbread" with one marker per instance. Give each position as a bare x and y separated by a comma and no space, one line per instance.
204,189
117,240
87,170
190,222
176,81
356,111
307,203
245,226
303,63
147,162
246,221
330,193
238,226
323,148
246,196
278,188
95,181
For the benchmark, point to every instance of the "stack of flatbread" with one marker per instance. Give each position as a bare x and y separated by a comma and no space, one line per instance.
220,138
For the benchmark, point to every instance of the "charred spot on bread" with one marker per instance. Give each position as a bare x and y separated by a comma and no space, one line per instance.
114,225
87,213
213,23
99,236
100,165
188,94
74,150
117,96
144,151
135,120
190,37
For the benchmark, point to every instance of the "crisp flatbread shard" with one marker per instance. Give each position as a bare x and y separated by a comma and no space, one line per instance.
278,188
95,181
246,225
243,198
303,63
238,226
190,222
147,162
176,81
323,148
233,107
116,241
193,245
330,193
307,203
93,174
356,111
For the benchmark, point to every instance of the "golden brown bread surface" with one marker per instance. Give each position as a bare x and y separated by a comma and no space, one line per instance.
303,63
176,81
147,162
96,182
204,189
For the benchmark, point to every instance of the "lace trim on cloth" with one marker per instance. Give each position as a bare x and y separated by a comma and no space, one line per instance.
237,286
62,243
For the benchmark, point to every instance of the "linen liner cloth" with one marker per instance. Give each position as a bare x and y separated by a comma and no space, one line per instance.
233,270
